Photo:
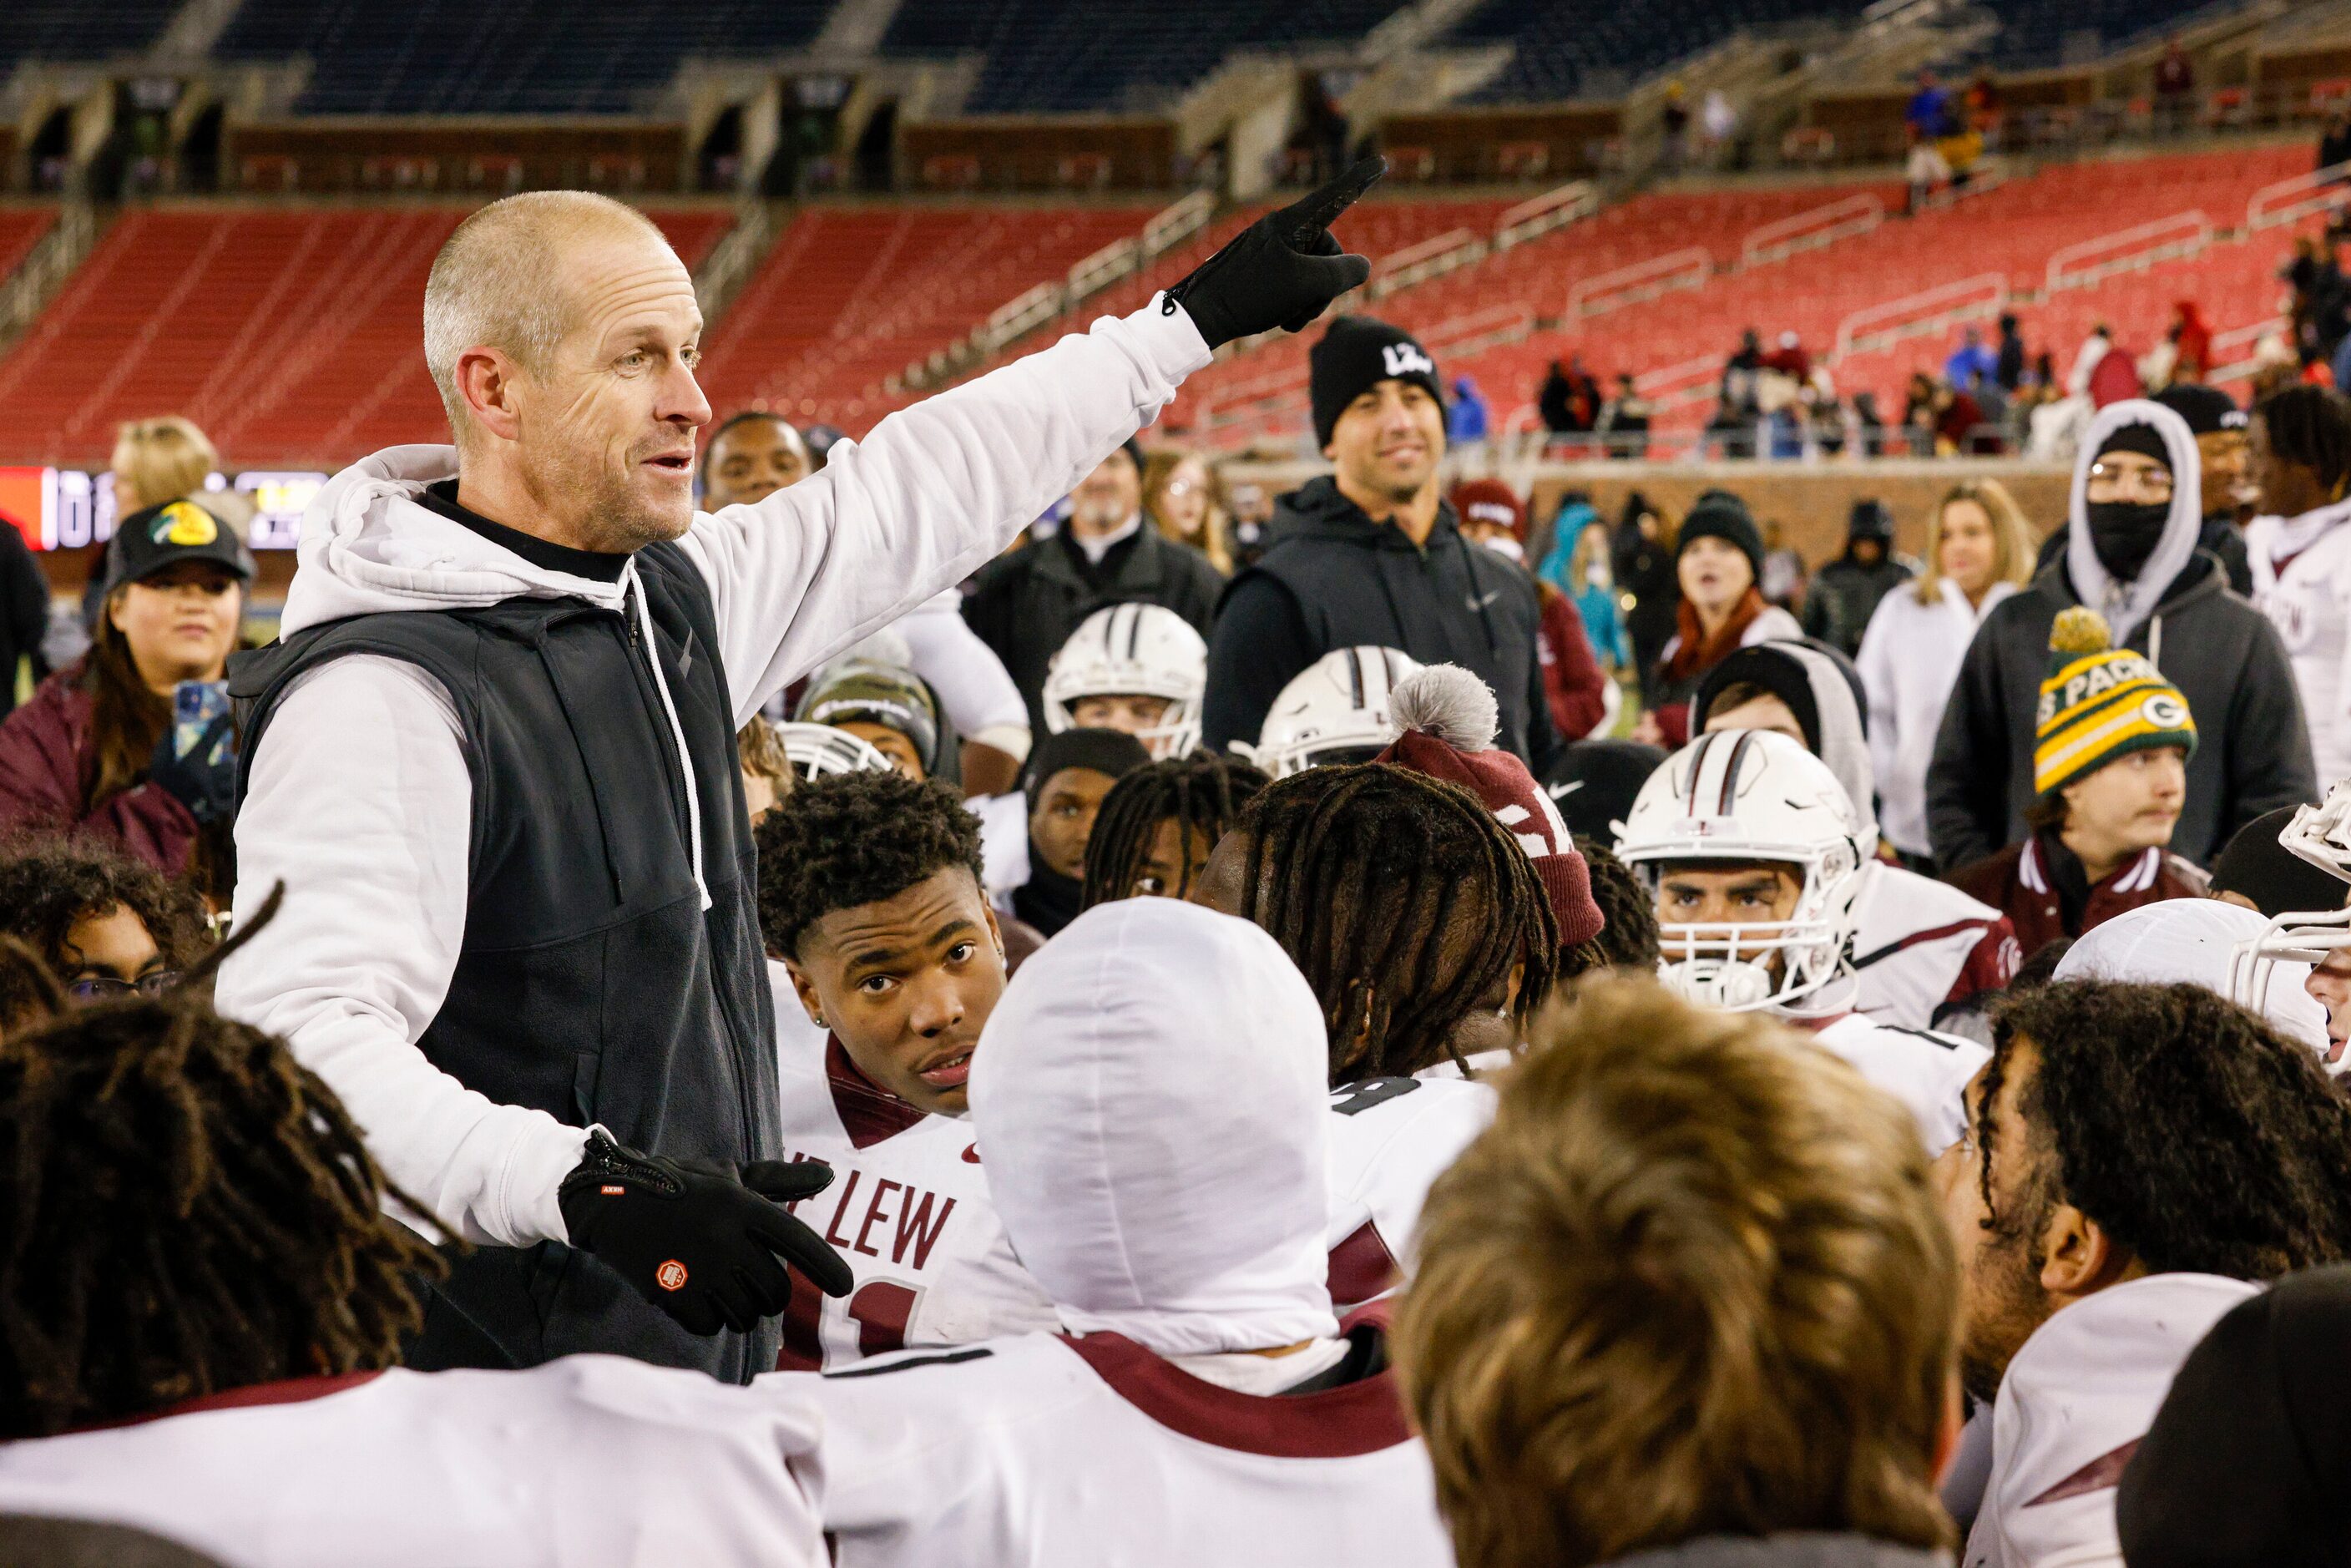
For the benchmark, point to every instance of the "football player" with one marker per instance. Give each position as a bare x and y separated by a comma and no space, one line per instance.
1334,710
1158,824
205,1303
1137,668
885,961
1753,851
2320,834
1205,1404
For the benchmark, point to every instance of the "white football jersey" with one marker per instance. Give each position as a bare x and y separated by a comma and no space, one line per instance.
581,1463
1927,1072
1922,949
908,1211
1389,1138
1073,1453
2310,604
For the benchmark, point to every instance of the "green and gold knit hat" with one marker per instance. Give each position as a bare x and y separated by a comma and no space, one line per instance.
2098,702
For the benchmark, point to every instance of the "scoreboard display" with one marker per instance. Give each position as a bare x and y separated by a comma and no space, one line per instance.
66,508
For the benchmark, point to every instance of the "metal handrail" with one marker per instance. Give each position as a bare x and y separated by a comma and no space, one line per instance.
2062,273
1686,268
1851,334
1775,241
2318,191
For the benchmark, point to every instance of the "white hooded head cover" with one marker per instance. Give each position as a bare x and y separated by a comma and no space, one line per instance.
2193,939
2127,605
1150,1100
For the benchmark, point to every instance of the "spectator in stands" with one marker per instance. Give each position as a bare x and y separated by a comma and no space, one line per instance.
106,925
2191,342
1719,563
1643,556
1846,594
2102,1230
1979,552
1984,107
751,457
2009,361
1788,359
1737,407
1624,426
1569,400
1492,515
1373,554
1929,112
2136,519
24,617
94,752
1184,499
1581,565
1466,421
2221,447
1025,605
1687,1301
2086,359
2175,89
1673,129
1972,361
1784,582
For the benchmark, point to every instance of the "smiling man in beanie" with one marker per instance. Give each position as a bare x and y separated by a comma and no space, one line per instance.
1373,554
2132,556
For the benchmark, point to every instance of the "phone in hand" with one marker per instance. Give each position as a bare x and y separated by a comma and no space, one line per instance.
195,706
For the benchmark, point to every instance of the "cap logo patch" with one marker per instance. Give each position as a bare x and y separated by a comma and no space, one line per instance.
1405,359
181,523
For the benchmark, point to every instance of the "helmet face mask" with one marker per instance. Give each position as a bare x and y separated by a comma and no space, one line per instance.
1333,711
820,751
1741,798
2310,938
1132,650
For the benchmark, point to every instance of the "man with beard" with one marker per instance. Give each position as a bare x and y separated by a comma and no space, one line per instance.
2138,1159
1372,554
494,759
2136,513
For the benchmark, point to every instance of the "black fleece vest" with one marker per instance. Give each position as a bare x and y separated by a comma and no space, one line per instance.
591,983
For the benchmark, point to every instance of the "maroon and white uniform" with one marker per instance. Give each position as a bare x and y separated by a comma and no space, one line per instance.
588,1461
908,1211
1923,951
1150,1093
1388,1139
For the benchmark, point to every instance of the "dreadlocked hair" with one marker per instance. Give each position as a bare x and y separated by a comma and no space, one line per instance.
48,882
1628,939
1403,902
2310,427
1204,793
854,839
2188,1127
188,1209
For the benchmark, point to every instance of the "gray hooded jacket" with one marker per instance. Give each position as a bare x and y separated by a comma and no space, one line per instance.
2252,753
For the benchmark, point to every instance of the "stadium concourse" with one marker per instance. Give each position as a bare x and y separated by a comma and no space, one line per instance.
1397,781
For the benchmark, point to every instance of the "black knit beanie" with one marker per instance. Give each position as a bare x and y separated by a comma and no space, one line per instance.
1108,752
1722,515
2255,865
1354,356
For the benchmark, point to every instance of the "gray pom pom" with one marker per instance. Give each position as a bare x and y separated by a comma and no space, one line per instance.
1449,703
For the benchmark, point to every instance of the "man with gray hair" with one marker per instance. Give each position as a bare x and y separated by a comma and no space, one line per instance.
493,761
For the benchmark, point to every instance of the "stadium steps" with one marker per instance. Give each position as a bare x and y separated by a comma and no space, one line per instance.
289,335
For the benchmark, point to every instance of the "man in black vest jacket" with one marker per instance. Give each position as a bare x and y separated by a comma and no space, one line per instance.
1372,554
493,761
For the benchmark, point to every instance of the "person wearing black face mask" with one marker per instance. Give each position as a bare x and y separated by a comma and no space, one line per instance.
2132,555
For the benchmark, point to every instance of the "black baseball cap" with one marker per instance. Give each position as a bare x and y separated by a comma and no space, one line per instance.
154,539
2208,410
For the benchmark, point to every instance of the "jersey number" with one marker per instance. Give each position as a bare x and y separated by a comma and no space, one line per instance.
880,1308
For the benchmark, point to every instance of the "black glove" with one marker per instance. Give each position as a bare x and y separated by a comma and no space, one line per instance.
1282,270
204,780
707,1249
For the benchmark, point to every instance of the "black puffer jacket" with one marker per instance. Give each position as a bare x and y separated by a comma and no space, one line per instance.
1333,578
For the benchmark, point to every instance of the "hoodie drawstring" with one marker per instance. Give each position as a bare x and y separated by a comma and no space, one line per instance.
635,591
2155,644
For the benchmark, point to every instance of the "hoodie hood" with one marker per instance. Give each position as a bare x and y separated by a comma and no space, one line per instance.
1822,689
1317,509
2194,940
1150,1097
369,546
2076,1402
1566,533
2127,605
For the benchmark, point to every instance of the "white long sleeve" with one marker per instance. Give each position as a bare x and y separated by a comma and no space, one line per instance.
974,687
932,493
360,800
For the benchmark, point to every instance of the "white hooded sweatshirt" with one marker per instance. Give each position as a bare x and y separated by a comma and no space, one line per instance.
2302,582
1149,1100
359,796
2073,1406
1909,660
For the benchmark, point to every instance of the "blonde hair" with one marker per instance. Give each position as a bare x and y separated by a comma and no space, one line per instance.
1691,1281
760,751
159,460
497,283
1157,470
2013,546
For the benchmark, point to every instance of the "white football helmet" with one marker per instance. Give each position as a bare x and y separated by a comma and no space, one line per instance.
1132,649
2320,834
1750,795
819,751
1334,710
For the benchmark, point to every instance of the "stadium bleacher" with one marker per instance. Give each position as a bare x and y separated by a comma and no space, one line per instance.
77,30
519,56
1054,56
2045,32
1558,43
290,335
21,229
